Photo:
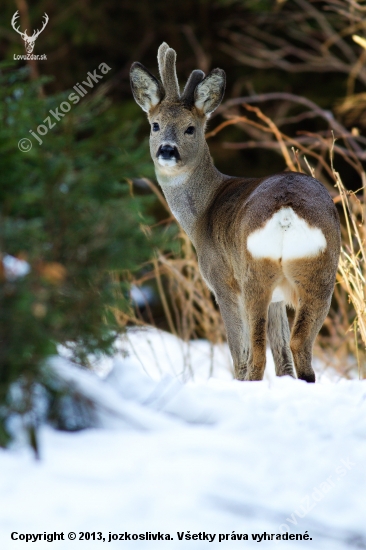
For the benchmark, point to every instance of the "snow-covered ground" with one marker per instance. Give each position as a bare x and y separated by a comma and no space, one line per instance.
182,448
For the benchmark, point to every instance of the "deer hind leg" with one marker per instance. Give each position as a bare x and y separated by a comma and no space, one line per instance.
314,291
279,339
309,319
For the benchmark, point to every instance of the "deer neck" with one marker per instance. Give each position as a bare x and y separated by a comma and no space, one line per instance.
188,193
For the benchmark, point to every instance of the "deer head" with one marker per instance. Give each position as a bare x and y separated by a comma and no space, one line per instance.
177,119
29,40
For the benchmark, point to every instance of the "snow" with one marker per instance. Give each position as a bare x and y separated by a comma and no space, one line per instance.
141,295
14,268
179,446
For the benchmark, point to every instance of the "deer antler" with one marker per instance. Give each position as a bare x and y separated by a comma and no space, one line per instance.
168,74
37,33
14,21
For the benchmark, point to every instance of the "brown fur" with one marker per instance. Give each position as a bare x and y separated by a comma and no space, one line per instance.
219,212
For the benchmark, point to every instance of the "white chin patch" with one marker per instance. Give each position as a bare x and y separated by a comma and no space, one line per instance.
167,162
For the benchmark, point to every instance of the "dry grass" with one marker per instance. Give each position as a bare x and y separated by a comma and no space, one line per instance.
351,274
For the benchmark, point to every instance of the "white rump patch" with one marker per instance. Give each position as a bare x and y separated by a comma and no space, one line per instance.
286,236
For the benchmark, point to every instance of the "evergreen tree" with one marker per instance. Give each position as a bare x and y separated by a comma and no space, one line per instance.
65,209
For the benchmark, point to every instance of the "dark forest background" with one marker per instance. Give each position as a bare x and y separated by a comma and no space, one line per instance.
81,35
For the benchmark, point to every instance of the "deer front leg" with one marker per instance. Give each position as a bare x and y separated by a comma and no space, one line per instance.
237,332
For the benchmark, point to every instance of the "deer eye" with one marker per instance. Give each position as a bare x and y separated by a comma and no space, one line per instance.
155,127
190,130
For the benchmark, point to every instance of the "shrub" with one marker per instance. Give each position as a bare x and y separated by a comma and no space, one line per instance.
65,209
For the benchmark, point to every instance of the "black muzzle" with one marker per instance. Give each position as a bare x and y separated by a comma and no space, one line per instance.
167,152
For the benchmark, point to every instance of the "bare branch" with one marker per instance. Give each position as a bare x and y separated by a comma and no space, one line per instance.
203,60
284,96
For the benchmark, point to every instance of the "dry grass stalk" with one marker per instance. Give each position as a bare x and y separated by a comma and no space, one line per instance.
352,265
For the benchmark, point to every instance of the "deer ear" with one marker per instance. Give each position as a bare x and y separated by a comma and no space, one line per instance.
209,93
146,89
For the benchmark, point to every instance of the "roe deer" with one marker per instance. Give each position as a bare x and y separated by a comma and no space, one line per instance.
262,243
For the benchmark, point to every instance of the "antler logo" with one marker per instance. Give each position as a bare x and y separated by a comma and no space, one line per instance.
29,40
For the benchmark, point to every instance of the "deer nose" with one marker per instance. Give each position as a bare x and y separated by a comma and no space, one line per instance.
167,152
